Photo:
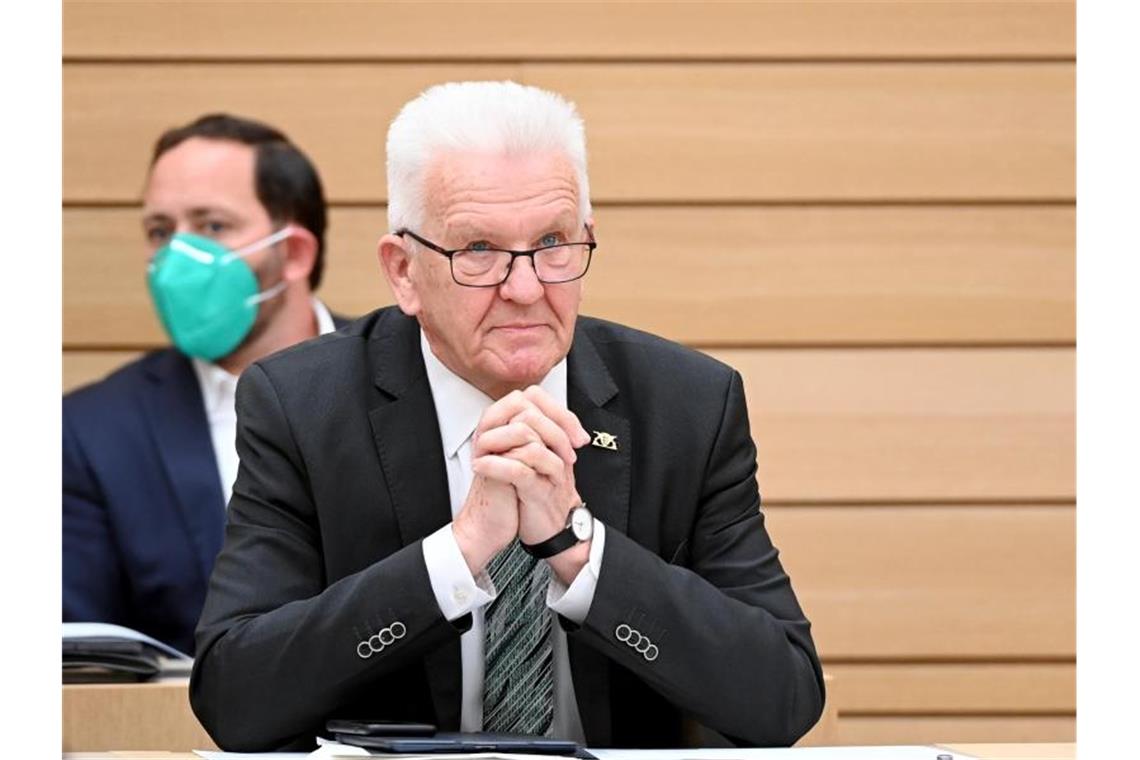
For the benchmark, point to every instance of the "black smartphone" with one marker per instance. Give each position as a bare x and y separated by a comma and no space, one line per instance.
379,728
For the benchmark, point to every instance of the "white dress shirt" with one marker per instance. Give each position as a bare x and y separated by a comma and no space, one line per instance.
218,387
459,406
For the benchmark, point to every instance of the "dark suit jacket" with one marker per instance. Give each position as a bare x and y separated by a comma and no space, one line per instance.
143,510
342,474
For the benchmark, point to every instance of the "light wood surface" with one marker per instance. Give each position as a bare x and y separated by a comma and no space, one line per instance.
337,114
950,729
932,582
908,688
393,31
133,716
737,275
820,132
886,425
657,132
911,425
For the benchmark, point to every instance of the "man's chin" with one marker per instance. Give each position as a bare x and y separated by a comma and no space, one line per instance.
521,371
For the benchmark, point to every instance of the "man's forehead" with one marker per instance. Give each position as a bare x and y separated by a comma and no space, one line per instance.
463,188
203,172
493,167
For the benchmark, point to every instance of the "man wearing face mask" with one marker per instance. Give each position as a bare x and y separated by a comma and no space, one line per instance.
234,217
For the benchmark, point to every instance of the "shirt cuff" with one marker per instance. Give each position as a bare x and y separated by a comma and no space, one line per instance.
573,602
456,591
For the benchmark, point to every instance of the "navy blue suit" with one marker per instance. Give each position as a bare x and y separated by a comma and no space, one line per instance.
143,510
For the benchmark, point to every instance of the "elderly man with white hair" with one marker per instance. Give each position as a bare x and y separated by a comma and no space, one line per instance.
477,509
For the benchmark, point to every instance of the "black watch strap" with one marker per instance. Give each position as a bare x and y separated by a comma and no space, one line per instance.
556,544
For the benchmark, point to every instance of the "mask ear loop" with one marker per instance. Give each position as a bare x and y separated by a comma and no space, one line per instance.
257,245
265,295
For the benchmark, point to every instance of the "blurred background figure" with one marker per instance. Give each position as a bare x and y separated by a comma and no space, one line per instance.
234,220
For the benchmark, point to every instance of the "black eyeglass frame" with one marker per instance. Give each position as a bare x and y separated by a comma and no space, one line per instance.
590,244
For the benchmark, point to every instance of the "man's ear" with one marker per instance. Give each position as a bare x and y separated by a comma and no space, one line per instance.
396,261
300,254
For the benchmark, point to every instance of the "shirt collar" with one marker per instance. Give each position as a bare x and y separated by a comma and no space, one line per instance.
325,323
218,385
459,405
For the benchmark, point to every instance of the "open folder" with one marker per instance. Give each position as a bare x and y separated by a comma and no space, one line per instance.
102,652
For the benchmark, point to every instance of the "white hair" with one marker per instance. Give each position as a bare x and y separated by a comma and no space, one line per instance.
480,117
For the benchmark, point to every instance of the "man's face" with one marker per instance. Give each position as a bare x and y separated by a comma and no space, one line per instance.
510,336
206,187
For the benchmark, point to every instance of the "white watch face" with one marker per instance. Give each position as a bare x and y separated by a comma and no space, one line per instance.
582,523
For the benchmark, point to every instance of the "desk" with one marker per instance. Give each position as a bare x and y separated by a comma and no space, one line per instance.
1058,751
980,751
140,716
131,716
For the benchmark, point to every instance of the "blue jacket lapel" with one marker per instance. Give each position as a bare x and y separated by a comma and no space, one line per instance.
177,418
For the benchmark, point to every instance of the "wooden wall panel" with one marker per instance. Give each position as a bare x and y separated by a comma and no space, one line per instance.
834,132
703,276
657,132
803,275
937,582
856,729
901,688
337,114
911,424
511,30
927,426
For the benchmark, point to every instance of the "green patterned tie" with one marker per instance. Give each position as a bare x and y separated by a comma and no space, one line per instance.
518,683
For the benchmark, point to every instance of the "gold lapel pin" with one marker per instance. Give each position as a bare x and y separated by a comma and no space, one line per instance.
604,440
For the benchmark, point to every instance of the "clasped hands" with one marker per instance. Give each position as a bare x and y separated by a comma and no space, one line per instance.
523,462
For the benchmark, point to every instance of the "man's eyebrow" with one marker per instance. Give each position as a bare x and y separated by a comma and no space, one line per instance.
565,220
156,216
195,213
198,211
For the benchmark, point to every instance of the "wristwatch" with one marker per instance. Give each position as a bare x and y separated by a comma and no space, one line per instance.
579,528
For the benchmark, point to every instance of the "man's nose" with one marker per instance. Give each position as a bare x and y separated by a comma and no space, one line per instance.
522,283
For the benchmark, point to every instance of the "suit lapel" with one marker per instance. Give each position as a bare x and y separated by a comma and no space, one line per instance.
177,418
406,434
602,476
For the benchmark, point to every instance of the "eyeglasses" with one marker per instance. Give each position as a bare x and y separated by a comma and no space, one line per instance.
490,267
